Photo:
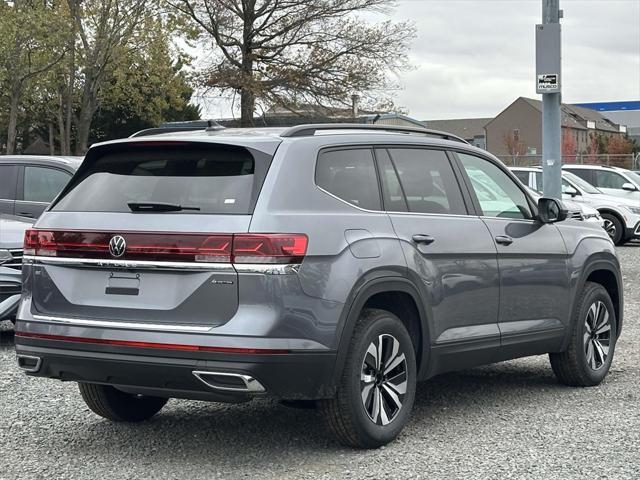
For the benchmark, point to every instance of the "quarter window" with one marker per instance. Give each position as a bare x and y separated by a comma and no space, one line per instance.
43,184
350,175
8,182
427,181
498,195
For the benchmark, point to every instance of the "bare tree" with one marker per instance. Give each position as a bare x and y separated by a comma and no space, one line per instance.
287,52
514,146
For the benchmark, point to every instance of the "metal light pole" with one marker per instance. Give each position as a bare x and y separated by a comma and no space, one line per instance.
549,84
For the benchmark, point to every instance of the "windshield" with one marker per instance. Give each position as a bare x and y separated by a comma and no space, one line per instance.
580,183
634,176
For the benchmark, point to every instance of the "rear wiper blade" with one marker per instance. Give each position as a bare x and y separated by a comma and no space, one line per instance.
158,207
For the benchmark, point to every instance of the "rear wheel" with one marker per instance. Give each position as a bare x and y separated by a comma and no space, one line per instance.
588,358
376,392
613,227
116,405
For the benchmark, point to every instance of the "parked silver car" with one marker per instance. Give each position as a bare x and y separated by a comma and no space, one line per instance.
614,181
12,231
621,216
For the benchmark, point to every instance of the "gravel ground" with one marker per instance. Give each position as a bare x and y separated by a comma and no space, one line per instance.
509,420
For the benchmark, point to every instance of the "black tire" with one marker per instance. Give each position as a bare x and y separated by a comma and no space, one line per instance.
118,406
573,367
614,228
346,414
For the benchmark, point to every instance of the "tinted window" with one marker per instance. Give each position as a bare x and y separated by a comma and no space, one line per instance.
498,194
428,182
212,179
349,175
43,184
605,179
8,182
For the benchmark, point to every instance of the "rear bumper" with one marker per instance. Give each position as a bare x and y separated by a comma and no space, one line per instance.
170,374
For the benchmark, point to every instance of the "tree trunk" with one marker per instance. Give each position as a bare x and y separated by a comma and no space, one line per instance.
69,91
247,107
52,140
64,146
85,116
13,121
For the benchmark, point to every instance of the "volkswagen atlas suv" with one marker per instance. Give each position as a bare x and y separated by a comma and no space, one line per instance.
339,264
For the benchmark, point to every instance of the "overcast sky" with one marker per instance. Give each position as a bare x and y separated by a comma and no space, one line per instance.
472,58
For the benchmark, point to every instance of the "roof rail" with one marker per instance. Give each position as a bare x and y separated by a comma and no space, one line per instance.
208,126
311,129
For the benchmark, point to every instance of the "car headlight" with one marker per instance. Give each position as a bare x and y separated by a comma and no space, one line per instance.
5,256
634,210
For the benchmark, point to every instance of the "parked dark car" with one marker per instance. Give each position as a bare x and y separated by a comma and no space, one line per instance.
12,231
334,263
28,183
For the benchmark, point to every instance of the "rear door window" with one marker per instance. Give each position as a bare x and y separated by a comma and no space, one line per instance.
219,179
427,180
42,184
350,175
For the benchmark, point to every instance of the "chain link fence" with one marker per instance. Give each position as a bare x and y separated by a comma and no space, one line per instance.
629,161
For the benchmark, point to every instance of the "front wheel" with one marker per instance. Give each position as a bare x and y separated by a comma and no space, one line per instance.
116,405
614,228
377,389
588,358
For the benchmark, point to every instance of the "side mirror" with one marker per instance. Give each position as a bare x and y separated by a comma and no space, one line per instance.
629,187
570,191
551,210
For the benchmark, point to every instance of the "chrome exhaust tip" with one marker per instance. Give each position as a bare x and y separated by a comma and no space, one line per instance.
229,382
29,363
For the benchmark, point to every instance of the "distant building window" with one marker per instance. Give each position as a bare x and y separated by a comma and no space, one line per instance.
591,124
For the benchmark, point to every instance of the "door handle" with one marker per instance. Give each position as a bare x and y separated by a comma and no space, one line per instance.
504,240
423,239
25,214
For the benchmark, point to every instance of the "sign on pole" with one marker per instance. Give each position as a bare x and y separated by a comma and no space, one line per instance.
548,58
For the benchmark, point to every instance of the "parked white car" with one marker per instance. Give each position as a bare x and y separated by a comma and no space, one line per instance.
621,216
614,181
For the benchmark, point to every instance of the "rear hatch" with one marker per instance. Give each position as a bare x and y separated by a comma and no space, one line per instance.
144,233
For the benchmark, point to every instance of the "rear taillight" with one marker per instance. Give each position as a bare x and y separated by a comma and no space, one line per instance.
197,247
270,248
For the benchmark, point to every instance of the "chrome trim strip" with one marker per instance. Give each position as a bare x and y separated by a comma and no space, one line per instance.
130,264
264,268
268,268
251,385
119,324
29,357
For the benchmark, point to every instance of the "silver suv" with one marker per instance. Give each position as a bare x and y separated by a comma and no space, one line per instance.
333,263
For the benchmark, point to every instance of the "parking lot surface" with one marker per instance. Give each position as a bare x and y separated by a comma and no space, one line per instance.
509,420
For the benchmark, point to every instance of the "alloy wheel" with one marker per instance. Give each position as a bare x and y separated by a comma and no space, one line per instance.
383,379
597,335
610,228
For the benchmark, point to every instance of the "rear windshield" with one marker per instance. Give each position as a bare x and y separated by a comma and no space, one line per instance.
220,179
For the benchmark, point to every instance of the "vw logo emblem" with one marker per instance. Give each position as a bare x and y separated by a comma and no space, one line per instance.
117,246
